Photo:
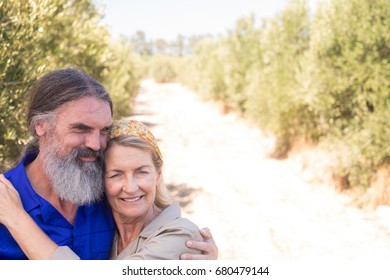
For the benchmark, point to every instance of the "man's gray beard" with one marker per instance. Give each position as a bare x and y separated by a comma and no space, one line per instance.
74,180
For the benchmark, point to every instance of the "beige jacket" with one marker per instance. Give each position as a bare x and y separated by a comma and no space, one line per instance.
162,239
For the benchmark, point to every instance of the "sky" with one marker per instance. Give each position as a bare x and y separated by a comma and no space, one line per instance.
166,19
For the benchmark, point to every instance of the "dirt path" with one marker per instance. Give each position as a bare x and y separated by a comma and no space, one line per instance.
256,207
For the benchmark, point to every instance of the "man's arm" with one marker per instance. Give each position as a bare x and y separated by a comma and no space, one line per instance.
208,247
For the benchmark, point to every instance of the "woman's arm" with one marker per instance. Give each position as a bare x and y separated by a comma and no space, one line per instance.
30,237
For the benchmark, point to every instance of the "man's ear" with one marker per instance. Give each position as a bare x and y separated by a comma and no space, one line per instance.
41,127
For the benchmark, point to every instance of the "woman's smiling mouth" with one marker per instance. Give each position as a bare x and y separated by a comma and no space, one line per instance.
132,199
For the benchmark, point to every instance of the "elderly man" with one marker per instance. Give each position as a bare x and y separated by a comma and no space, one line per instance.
59,179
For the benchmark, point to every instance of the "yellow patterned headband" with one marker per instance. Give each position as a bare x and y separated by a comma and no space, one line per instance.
134,128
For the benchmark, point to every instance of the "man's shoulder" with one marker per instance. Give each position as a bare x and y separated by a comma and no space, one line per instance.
17,175
12,174
25,160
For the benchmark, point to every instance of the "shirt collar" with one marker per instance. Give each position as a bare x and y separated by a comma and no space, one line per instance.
169,214
19,179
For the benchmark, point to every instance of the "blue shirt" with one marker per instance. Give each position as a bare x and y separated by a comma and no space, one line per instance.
90,237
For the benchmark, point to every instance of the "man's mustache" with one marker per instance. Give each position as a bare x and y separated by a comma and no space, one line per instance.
87,152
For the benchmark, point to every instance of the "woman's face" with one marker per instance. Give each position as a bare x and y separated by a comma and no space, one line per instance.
130,181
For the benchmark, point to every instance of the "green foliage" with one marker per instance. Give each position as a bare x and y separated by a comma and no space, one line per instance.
350,86
121,79
219,68
205,71
322,79
272,88
162,68
21,32
41,35
74,37
242,53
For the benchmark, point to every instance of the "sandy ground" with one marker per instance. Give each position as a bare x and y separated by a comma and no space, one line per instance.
256,207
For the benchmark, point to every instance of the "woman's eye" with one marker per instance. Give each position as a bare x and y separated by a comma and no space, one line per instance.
143,172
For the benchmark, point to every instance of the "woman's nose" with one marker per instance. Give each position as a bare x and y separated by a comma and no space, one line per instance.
130,185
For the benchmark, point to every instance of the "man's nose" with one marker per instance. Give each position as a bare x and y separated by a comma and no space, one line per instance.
93,141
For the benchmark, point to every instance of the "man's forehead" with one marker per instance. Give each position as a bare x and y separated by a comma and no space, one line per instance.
86,104
87,110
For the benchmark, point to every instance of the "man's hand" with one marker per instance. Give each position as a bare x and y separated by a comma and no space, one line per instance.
208,247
